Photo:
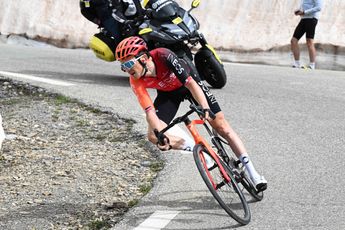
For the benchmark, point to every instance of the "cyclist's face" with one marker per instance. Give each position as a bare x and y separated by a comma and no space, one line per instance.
132,66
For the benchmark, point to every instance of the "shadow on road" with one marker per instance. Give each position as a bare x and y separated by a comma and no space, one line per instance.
88,78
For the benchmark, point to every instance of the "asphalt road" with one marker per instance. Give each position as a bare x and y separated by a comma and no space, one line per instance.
291,120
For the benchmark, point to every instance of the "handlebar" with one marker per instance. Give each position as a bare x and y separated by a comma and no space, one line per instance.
162,138
202,112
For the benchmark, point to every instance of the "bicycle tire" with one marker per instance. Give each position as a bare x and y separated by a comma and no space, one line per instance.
239,211
245,179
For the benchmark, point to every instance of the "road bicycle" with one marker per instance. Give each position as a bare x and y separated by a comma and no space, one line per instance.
224,176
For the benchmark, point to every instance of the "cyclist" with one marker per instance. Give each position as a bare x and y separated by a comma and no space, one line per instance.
162,70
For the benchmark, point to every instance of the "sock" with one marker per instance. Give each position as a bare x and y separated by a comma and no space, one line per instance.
244,158
312,65
297,63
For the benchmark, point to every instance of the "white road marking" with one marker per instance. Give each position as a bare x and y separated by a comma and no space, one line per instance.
34,78
157,220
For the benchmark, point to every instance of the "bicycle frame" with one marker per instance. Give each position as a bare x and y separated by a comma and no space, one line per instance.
225,174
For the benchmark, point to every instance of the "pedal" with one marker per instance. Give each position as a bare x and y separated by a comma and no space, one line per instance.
261,187
212,167
237,163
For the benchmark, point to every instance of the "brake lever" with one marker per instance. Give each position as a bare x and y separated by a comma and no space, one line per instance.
198,109
210,113
161,137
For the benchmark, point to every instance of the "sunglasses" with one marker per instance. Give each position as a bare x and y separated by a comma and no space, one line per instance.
128,65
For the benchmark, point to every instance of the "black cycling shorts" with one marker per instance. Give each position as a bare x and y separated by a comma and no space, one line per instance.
167,103
306,25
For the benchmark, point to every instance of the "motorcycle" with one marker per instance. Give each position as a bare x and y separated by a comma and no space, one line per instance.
166,24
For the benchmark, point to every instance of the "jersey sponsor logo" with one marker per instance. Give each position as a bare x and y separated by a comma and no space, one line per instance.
207,92
166,82
175,62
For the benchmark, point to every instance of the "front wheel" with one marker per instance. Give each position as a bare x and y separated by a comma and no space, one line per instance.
209,68
227,193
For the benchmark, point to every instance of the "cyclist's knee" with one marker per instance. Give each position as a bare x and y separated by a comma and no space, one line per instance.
220,124
225,131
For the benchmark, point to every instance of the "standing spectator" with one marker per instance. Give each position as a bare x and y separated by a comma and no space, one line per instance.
309,13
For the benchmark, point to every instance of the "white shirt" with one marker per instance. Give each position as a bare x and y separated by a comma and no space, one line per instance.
311,8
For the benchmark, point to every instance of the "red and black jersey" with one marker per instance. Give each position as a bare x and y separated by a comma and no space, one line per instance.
171,74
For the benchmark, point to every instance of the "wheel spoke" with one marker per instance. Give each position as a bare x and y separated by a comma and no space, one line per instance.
241,175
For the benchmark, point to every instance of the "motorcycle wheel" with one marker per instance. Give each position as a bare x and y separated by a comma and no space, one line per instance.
191,65
210,69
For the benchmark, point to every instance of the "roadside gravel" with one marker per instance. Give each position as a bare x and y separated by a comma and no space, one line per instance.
66,165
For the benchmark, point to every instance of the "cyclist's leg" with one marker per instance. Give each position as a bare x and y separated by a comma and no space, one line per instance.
224,129
221,125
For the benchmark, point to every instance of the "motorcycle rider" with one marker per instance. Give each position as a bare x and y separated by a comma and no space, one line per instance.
174,80
112,15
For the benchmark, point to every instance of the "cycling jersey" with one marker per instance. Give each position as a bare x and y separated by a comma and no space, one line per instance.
172,74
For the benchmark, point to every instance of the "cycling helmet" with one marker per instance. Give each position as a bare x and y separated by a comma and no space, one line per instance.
131,46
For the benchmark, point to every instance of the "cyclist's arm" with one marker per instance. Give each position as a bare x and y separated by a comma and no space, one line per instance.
146,103
181,71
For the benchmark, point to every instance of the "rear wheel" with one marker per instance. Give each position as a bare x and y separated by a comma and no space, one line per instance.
228,194
244,177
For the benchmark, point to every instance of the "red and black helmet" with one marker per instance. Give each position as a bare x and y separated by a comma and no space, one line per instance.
130,46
